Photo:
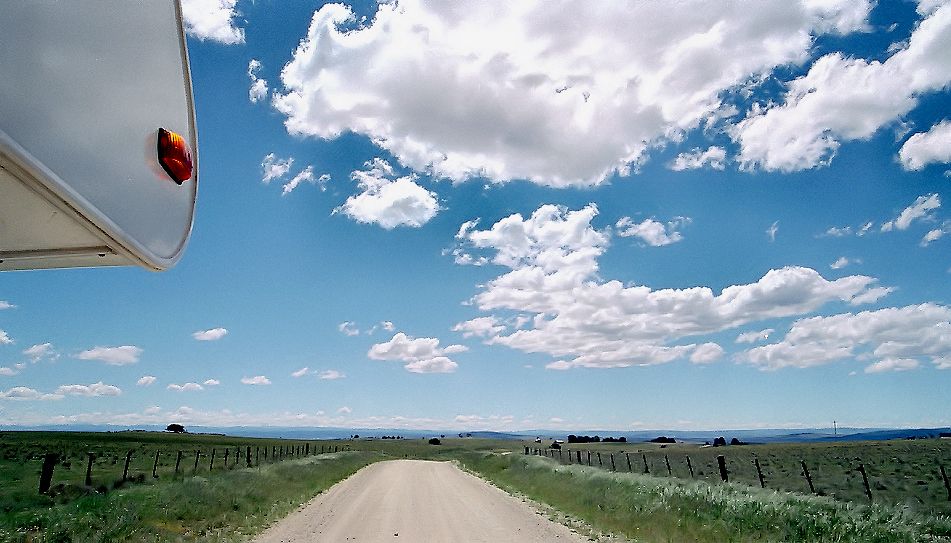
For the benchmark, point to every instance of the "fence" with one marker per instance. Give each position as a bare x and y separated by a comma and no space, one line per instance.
185,462
924,483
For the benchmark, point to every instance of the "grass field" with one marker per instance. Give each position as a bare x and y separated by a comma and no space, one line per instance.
900,472
233,502
647,508
198,504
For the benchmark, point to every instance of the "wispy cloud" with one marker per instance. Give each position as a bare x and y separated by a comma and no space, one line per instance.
213,334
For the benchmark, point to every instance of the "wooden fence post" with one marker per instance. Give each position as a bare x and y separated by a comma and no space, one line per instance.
526,451
46,474
689,466
644,458
560,456
178,460
947,486
612,463
805,472
125,468
600,465
247,455
759,473
578,456
155,466
237,455
197,457
868,491
589,458
721,462
257,455
628,458
667,461
92,456
211,465
307,449
227,452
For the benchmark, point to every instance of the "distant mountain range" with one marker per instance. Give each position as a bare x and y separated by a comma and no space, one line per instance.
784,435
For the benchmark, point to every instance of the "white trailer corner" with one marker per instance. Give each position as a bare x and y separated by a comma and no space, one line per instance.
98,145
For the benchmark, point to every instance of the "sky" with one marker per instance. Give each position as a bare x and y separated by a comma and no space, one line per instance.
518,215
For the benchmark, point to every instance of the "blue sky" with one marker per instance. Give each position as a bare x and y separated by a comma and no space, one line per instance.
522,216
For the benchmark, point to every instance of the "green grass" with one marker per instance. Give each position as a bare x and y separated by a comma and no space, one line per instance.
900,472
227,506
647,508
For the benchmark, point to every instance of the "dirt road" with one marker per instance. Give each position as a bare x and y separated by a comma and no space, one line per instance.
416,501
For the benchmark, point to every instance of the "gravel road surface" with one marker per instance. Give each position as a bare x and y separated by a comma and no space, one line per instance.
416,501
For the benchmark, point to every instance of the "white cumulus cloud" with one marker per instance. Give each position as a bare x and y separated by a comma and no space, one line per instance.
256,380
5,338
95,389
386,201
186,387
26,394
146,380
706,353
212,382
422,355
651,232
6,305
300,373
912,332
331,375
213,334
892,364
559,94
480,326
843,98
583,321
754,336
212,20
113,356
933,146
713,157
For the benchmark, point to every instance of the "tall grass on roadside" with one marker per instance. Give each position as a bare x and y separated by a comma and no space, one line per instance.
646,508
229,506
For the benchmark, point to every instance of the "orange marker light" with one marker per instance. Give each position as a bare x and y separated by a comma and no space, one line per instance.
174,156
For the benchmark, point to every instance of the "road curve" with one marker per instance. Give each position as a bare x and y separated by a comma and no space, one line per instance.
416,501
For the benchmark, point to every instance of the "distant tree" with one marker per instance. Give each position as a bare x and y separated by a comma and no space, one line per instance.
356,436
435,441
719,442
736,441
622,439
176,428
665,439
554,445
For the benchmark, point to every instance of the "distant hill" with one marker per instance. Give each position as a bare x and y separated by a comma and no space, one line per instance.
780,435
